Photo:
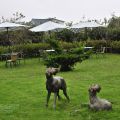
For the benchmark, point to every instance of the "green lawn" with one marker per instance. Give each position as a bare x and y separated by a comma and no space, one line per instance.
23,92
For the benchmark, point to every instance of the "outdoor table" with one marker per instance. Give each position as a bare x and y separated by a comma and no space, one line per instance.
51,50
48,52
88,48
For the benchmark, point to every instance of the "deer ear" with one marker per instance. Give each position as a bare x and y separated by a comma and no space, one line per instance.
89,89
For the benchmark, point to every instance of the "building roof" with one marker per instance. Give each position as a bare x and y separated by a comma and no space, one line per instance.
37,22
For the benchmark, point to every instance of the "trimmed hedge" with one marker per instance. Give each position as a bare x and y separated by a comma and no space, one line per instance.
31,50
97,43
114,45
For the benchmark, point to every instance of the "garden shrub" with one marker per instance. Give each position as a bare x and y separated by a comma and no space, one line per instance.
64,59
68,45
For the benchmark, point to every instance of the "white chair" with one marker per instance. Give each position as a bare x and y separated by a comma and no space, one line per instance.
101,52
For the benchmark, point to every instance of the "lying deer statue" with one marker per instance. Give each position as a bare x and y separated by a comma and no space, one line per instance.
54,84
95,102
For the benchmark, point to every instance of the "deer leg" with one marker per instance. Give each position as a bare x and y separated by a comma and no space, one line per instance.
65,93
59,98
55,97
48,97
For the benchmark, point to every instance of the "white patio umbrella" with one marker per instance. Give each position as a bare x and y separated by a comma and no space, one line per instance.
6,26
88,24
47,26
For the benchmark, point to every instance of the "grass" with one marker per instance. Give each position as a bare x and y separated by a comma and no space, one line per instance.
23,93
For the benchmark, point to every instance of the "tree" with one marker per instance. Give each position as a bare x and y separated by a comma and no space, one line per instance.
114,22
15,18
65,35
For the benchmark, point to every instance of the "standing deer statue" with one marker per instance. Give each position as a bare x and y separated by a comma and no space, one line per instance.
54,84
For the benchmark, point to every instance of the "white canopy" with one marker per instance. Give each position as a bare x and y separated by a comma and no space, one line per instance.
47,26
8,25
87,25
77,27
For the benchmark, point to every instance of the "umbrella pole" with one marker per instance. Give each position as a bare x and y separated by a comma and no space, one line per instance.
86,33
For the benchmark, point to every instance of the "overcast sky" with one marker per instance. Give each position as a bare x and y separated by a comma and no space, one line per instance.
69,10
